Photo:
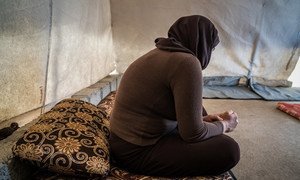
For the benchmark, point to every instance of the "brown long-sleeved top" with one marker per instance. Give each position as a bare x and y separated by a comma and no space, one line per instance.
158,92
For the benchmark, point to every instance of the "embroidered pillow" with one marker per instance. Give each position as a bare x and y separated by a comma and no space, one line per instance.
106,104
72,138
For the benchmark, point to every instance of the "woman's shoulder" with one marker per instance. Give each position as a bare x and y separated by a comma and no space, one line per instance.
186,59
157,58
176,56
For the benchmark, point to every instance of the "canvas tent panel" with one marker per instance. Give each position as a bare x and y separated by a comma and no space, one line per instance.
81,46
51,49
258,38
24,37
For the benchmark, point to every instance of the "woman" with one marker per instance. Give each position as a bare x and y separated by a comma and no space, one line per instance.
157,124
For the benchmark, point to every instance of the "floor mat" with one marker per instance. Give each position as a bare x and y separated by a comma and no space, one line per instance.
254,88
229,92
276,93
120,174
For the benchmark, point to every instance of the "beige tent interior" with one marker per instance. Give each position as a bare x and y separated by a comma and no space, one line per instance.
52,49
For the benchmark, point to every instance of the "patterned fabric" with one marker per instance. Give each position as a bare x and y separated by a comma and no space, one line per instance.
292,109
117,173
120,174
70,139
106,104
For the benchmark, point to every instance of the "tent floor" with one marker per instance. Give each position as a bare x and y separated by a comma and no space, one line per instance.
269,139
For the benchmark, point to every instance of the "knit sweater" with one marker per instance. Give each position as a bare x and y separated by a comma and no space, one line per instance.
159,92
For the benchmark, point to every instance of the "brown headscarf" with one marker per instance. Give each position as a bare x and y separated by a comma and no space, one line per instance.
191,34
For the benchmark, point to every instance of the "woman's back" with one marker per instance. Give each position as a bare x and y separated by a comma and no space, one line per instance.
144,109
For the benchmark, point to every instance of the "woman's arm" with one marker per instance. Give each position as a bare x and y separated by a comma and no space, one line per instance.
186,85
228,118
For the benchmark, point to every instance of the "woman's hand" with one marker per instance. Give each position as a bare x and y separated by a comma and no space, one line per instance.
230,120
212,118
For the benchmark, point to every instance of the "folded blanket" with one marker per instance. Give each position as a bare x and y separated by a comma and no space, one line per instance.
292,109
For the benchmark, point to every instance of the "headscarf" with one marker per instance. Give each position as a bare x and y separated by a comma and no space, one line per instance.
191,34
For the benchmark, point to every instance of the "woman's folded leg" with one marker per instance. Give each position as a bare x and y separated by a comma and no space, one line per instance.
171,156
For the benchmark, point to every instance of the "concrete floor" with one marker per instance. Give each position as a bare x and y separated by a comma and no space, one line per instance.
269,139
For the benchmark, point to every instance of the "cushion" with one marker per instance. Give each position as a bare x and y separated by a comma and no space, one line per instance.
69,139
118,173
107,103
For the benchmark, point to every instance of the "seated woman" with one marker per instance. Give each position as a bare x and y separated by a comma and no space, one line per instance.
157,123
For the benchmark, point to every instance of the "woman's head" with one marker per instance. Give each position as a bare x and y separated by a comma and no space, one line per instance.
195,33
198,34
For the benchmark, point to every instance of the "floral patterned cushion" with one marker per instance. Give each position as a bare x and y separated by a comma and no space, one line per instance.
107,103
120,174
69,139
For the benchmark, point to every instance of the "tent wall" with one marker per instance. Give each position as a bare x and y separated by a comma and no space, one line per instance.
50,49
259,38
